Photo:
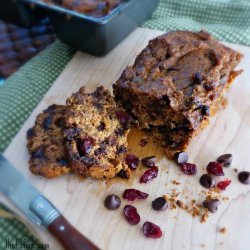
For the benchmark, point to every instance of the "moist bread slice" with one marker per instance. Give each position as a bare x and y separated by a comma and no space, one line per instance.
45,143
95,134
175,84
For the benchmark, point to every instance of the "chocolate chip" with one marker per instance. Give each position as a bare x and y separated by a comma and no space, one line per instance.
205,110
39,153
159,204
30,133
88,161
181,157
123,174
50,108
207,181
100,150
47,122
119,131
62,162
211,204
122,149
112,202
149,161
98,106
208,87
244,177
59,122
101,126
225,160
197,78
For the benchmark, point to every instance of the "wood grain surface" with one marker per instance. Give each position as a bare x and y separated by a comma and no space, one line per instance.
81,202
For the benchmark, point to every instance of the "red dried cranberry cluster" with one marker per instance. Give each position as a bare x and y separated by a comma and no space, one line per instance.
130,212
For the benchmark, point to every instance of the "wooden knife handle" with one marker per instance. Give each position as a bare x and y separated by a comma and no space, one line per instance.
69,237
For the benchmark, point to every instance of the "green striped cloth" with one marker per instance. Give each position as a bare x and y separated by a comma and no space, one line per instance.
227,20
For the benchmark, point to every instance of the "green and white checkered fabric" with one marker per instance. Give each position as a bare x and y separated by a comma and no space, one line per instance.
227,20
22,92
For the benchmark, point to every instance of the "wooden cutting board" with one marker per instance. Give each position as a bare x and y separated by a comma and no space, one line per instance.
82,201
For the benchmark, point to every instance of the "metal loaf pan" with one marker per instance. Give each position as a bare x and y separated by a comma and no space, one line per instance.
97,36
20,13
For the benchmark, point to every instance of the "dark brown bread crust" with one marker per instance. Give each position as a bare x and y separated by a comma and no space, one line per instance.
174,84
45,144
97,8
95,134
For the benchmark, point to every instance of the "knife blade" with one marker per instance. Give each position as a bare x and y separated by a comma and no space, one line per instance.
39,209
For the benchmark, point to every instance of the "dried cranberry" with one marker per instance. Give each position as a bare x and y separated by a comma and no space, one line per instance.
123,118
215,168
149,175
151,230
208,87
131,215
223,184
133,194
188,168
85,145
132,161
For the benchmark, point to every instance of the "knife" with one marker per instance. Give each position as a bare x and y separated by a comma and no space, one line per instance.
38,209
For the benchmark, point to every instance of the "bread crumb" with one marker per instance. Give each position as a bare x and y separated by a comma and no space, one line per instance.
205,216
193,206
223,230
175,182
